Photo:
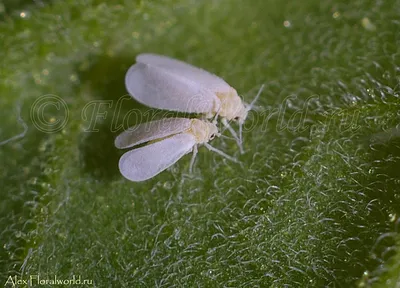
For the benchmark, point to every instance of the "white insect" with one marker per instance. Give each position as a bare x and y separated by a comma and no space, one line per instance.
165,83
169,140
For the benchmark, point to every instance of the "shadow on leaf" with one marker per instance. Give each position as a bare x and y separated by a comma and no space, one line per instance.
104,114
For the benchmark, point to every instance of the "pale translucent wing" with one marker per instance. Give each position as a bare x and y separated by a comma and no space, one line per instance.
151,131
197,75
146,162
159,88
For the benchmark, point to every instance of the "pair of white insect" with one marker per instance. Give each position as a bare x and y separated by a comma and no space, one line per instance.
165,83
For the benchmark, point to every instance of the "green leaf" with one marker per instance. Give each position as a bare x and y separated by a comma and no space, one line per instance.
315,201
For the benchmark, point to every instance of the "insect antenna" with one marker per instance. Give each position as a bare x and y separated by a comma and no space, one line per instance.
219,152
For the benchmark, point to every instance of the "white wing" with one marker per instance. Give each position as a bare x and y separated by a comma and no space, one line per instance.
151,131
164,89
146,162
197,75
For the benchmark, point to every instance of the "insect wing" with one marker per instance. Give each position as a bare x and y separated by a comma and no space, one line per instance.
151,131
164,89
197,75
146,162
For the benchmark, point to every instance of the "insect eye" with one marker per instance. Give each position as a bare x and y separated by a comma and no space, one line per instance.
212,136
236,118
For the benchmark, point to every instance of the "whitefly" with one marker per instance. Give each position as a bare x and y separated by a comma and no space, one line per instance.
167,140
165,83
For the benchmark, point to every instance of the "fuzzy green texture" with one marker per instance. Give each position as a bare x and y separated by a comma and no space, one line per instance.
316,200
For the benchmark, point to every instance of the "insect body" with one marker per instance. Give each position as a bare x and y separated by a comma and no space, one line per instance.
165,83
170,139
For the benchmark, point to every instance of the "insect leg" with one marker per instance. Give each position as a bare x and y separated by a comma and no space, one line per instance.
193,158
234,134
